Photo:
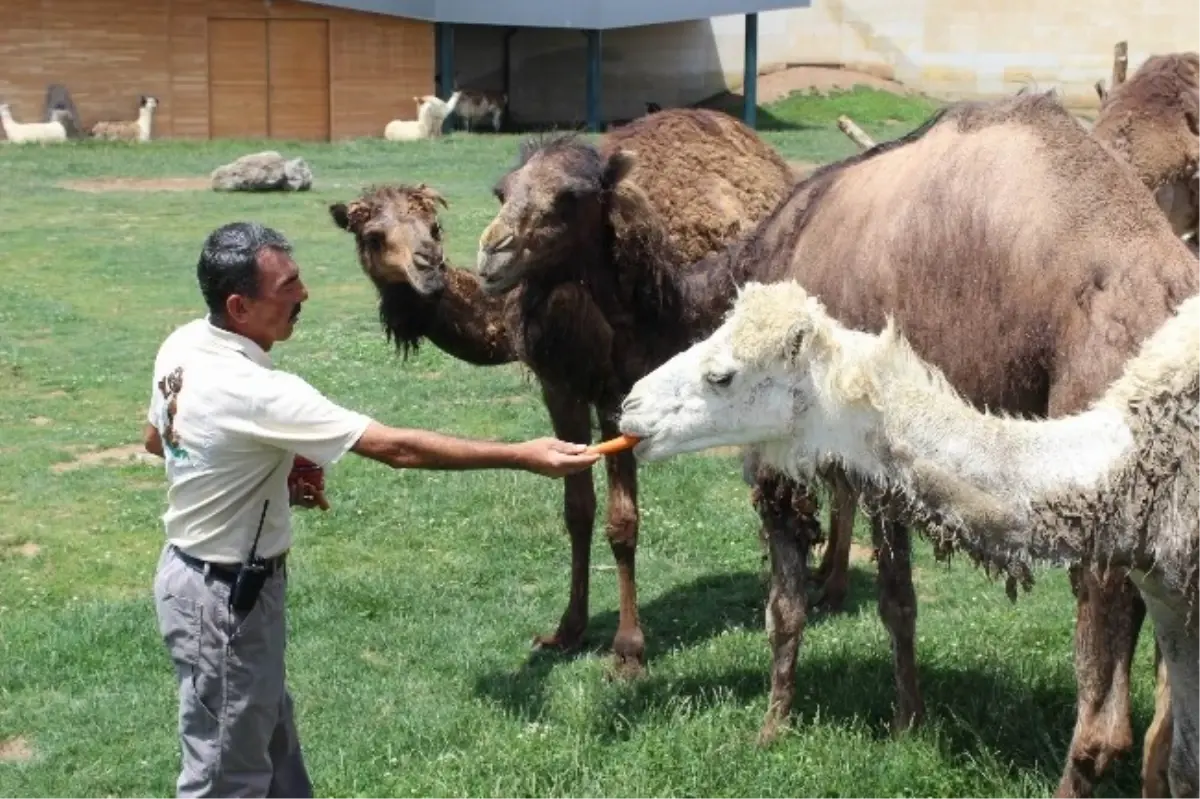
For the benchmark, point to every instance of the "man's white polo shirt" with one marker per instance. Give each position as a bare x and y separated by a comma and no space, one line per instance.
230,425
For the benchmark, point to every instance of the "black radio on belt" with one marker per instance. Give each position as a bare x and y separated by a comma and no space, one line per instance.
252,576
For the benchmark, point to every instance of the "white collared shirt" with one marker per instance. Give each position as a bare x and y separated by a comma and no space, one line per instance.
231,424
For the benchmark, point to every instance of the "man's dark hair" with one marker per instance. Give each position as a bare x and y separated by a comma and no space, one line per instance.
229,262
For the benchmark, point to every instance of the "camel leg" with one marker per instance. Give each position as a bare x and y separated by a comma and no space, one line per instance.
789,518
629,645
1109,615
571,420
834,571
1156,754
898,611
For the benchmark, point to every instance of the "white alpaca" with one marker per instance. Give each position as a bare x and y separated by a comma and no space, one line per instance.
431,113
52,131
136,130
1116,484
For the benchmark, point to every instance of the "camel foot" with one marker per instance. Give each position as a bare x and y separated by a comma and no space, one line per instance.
561,641
771,730
831,599
624,668
909,716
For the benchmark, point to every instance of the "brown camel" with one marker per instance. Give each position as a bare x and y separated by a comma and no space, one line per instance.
1150,122
422,297
733,179
1008,208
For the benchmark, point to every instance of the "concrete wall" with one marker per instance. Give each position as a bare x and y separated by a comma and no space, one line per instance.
982,48
950,48
671,64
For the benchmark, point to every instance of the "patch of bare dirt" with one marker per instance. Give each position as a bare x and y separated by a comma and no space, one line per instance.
115,456
861,554
40,421
15,750
138,184
29,549
778,84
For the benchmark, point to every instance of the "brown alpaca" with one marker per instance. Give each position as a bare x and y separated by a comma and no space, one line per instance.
1150,121
419,295
1008,208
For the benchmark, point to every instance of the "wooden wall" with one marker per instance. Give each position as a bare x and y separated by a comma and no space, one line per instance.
108,52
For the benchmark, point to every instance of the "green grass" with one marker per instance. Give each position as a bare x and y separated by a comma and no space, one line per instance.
413,601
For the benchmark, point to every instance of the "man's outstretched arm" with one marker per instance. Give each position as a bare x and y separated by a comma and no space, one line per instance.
406,448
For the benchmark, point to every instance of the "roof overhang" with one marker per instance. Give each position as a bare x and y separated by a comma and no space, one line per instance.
576,14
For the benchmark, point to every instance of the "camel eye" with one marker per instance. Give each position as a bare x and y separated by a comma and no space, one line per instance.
719,379
436,231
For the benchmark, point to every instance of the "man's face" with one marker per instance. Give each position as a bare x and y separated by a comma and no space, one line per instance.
271,316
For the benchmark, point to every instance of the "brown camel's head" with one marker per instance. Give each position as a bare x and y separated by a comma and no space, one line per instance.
552,203
398,235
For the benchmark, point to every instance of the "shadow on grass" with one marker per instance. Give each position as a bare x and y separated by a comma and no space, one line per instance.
682,617
977,712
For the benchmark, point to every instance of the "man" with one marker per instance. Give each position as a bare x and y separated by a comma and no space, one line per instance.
231,428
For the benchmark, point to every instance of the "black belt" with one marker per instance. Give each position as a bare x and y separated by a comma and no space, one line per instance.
228,573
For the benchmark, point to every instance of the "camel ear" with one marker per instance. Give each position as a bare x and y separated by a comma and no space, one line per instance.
341,216
433,194
797,337
1190,115
619,165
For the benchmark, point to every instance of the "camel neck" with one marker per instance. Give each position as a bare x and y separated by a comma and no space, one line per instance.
1007,489
461,320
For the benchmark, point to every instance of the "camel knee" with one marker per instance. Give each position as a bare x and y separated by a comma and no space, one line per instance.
579,510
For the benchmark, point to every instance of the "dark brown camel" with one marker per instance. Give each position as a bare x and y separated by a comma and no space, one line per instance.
1009,209
711,179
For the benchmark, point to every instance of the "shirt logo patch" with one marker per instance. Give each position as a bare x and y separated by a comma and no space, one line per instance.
170,386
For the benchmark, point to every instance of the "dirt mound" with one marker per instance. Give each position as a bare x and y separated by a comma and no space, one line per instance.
779,84
138,184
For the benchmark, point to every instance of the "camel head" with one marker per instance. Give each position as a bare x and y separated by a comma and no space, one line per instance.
553,202
398,235
759,381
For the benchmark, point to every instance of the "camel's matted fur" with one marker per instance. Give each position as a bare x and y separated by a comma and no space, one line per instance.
398,236
1115,485
592,235
1150,121
1056,258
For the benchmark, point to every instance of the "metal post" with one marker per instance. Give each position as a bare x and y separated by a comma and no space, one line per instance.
444,53
593,80
750,72
444,31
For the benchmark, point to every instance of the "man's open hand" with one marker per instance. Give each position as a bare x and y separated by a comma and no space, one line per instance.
551,457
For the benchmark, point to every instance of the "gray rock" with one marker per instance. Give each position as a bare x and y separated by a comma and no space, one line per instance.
265,171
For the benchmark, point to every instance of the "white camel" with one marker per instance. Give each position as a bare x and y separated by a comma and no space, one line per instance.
1116,484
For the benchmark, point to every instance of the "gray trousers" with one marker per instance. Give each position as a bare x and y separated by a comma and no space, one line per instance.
236,728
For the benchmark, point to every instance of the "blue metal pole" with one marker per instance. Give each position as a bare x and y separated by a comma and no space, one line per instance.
444,46
750,72
593,80
444,53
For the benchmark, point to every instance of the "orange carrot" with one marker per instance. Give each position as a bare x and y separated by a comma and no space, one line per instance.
614,445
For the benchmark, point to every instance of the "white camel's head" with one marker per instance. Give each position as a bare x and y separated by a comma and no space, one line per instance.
762,380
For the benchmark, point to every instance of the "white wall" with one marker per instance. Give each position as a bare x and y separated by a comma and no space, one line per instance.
950,48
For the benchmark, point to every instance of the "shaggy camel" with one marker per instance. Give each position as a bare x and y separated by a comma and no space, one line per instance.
398,237
589,334
1007,208
1150,122
1111,486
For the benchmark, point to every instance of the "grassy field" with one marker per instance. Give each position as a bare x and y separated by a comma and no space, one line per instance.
414,600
